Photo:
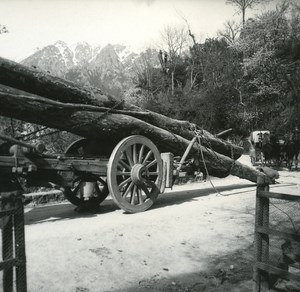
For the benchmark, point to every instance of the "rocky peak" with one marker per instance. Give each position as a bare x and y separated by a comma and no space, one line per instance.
55,59
66,53
107,59
83,53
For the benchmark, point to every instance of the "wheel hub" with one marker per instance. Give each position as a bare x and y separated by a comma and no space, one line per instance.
139,173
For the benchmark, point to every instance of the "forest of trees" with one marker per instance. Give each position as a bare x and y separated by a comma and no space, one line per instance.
247,78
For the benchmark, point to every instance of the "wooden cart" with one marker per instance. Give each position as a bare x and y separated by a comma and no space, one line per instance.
134,173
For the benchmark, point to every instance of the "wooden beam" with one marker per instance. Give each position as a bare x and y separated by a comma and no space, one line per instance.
276,271
282,196
281,234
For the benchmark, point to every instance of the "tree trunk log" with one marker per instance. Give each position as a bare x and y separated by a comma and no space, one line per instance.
110,126
40,83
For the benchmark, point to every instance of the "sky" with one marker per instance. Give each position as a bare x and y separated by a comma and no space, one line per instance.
34,24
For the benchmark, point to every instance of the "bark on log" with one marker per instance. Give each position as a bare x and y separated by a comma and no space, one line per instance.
31,108
40,83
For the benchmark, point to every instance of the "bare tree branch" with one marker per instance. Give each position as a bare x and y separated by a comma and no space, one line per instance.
243,5
230,32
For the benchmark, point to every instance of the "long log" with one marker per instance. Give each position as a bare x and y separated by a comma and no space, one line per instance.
40,83
96,125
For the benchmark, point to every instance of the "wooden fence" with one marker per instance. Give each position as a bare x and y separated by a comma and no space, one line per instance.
265,271
13,264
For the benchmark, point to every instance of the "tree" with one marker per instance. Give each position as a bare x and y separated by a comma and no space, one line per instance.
230,32
163,79
201,85
174,43
146,69
242,6
270,45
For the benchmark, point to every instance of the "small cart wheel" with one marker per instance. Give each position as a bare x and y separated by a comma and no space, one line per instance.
74,194
134,174
76,148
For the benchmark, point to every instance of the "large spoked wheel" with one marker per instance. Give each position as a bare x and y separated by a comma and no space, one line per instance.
134,174
96,186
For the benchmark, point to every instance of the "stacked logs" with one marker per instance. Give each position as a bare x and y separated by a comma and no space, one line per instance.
34,96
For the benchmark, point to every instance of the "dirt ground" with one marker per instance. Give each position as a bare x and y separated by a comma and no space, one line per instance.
193,239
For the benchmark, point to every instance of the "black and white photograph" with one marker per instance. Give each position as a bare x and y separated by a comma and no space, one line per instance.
149,145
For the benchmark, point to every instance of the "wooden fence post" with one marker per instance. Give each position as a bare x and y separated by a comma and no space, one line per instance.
13,241
7,246
21,276
261,240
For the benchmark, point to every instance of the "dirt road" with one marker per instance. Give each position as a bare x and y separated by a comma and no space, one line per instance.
194,239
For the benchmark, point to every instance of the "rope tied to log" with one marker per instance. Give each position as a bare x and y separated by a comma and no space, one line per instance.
199,132
204,163
199,135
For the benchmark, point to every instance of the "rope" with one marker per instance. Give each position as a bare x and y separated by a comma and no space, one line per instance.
199,135
204,163
209,148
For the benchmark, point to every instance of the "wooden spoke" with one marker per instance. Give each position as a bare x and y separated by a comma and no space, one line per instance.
129,156
134,154
123,173
147,156
141,153
132,198
124,195
140,196
151,163
153,173
122,164
124,182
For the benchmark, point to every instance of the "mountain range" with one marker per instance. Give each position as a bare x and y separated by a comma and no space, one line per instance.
112,68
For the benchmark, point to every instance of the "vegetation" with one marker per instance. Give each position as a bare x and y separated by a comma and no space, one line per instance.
246,79
243,5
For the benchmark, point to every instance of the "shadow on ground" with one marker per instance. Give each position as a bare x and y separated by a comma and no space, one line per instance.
231,272
179,197
62,211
